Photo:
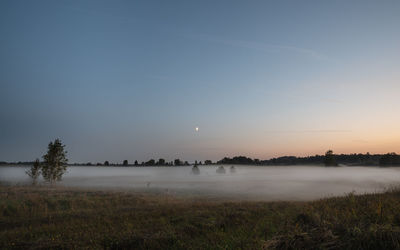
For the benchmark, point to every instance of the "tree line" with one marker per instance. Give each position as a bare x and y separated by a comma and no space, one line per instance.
55,162
329,159
389,159
151,162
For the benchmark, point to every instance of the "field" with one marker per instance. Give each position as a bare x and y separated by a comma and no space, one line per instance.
57,218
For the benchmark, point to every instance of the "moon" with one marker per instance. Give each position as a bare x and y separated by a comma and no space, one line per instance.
197,129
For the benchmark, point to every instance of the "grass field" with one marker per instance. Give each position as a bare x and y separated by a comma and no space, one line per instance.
57,218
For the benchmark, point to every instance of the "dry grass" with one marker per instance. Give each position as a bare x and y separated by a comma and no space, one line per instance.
54,218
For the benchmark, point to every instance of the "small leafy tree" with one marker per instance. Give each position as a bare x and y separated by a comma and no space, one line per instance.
55,162
177,162
161,162
34,171
150,162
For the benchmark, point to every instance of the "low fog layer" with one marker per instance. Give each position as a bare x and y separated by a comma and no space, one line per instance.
247,182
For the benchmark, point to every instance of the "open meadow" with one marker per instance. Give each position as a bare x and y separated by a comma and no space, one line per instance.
64,218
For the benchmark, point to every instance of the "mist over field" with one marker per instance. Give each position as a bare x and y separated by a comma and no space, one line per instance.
248,182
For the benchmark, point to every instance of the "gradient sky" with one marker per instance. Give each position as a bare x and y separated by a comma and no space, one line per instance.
131,80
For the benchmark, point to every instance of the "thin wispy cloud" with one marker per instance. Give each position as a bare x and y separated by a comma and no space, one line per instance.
266,47
311,131
360,141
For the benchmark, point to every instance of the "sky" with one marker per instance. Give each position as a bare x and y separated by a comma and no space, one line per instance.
132,80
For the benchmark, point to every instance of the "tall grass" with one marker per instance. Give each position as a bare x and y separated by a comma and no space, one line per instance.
41,217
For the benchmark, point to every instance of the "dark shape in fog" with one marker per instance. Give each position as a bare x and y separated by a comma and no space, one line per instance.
221,170
232,169
195,170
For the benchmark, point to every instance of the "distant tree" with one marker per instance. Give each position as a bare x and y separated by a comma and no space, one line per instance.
186,163
389,159
330,159
98,164
177,162
34,171
125,163
89,164
54,162
237,160
150,162
207,162
161,162
136,163
106,163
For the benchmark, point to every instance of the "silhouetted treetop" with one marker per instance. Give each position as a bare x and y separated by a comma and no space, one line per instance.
330,159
